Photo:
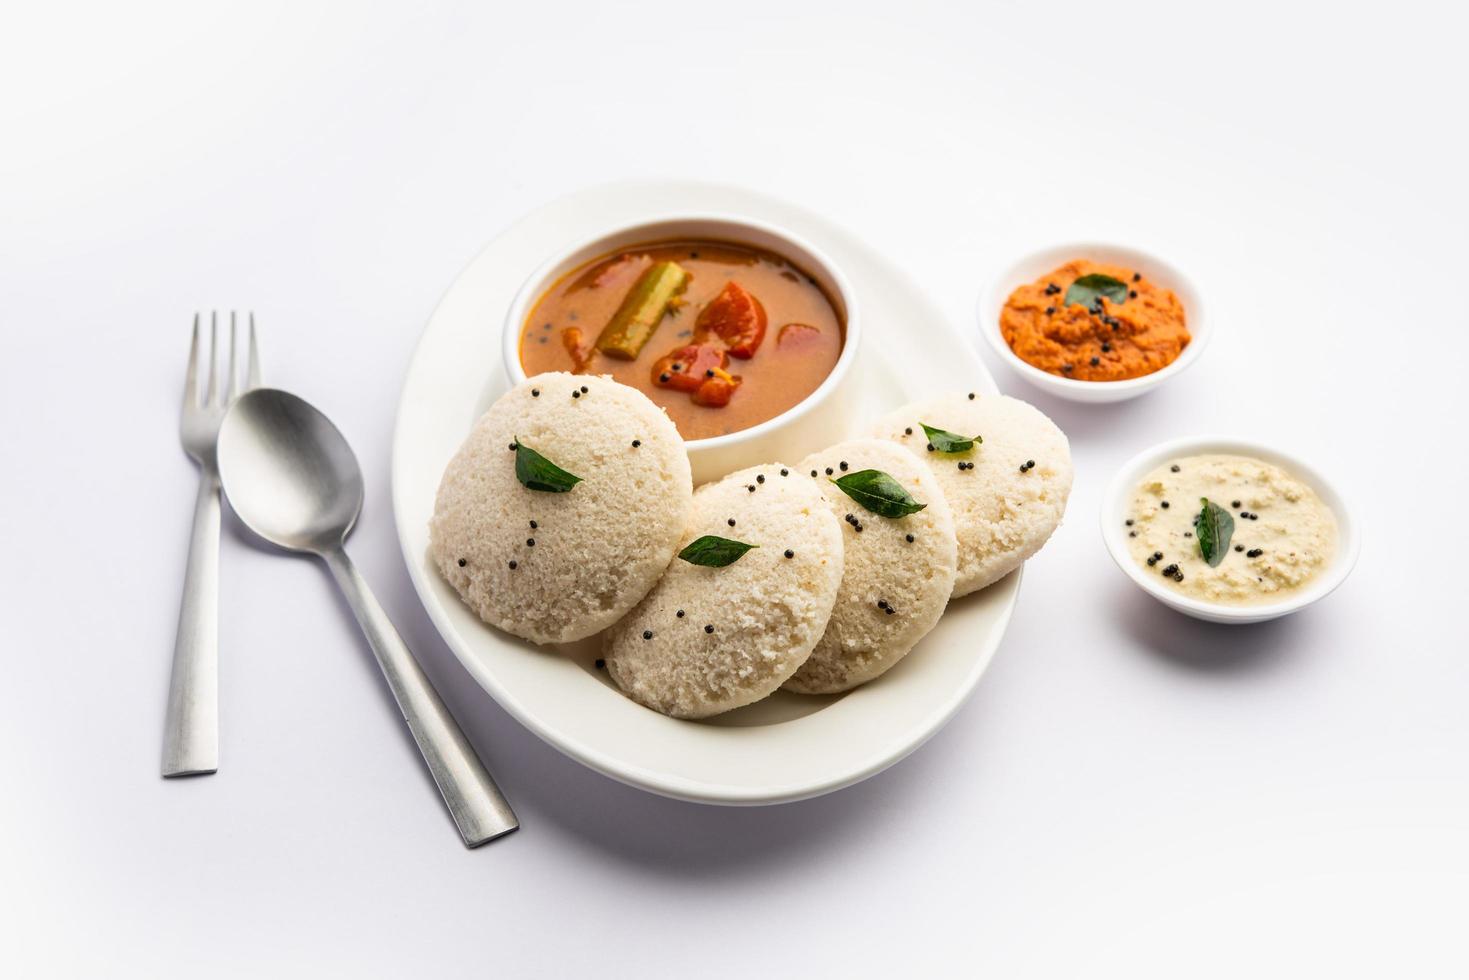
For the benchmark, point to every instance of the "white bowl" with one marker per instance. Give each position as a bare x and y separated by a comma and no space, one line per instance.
1119,494
1037,264
796,432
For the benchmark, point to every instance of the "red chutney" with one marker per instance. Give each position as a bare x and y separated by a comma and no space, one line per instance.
1110,340
722,336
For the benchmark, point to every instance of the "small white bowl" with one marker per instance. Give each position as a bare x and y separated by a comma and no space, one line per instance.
1119,494
796,432
1037,264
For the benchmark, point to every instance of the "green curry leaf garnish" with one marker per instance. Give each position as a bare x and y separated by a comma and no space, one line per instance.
949,442
1213,527
1087,289
879,493
536,472
712,551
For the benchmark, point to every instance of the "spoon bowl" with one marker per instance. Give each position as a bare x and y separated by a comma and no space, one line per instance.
292,478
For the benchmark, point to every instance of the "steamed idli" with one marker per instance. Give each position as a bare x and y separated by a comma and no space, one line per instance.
559,566
897,572
1007,494
709,639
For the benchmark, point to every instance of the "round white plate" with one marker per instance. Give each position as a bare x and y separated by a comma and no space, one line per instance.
787,747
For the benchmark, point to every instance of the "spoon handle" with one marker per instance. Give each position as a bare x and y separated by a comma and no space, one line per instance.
479,810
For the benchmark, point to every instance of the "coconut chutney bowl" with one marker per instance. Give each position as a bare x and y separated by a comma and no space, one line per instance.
782,417
1247,530
1160,273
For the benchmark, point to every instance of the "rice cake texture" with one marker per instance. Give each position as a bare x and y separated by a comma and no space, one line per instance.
1003,513
893,589
599,547
707,640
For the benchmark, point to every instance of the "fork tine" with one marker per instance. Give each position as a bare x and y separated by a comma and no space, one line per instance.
234,374
252,378
213,359
191,379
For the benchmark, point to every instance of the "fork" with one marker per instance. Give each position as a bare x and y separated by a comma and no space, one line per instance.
191,731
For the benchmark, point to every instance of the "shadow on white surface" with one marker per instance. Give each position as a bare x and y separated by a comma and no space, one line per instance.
661,836
351,635
1084,425
1208,648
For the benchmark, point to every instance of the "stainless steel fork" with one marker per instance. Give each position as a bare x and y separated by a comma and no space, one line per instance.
191,734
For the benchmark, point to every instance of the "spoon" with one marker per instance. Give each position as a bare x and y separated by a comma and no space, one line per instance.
292,479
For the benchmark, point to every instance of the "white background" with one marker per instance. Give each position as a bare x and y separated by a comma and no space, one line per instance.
1128,793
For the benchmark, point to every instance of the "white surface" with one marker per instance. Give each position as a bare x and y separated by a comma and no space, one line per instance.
787,746
1028,268
1122,489
1129,792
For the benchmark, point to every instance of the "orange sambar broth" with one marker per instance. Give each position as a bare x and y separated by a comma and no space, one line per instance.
777,378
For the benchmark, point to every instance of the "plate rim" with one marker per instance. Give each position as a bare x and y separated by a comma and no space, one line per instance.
662,783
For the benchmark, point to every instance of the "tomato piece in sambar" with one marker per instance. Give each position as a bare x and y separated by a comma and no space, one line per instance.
735,317
688,367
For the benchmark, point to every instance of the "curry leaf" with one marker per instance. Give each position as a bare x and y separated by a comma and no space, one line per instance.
1213,527
949,442
536,472
1086,290
879,493
712,551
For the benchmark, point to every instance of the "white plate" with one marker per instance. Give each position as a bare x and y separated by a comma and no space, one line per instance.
787,747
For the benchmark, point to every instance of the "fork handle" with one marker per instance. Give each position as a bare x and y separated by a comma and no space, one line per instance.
191,733
479,810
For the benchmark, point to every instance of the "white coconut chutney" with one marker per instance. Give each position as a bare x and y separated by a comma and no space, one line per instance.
1283,534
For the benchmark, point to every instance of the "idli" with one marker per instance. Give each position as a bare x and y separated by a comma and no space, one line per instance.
563,507
1007,492
744,603
897,570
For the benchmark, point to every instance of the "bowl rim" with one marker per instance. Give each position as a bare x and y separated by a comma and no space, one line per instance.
1349,535
541,278
991,300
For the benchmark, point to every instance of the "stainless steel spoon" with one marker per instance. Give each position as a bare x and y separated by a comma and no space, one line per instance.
292,478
